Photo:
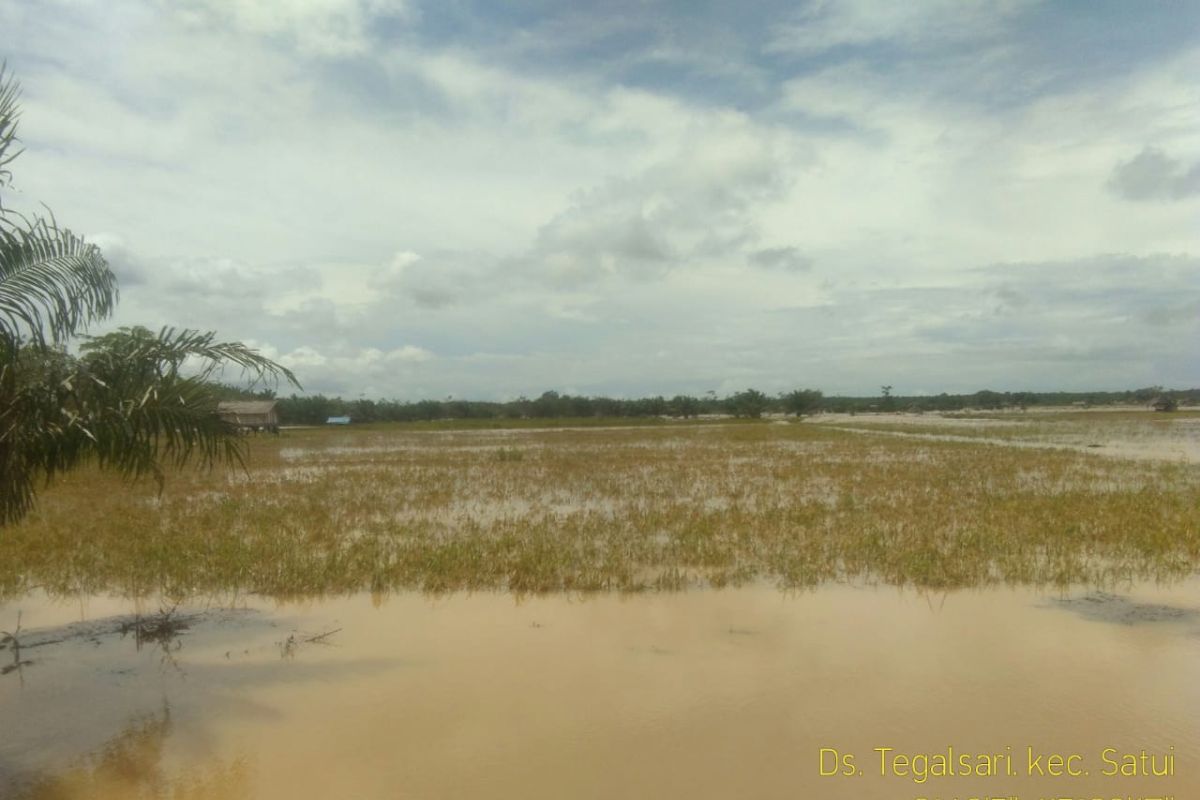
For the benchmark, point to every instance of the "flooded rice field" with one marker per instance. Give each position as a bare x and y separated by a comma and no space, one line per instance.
1132,434
711,610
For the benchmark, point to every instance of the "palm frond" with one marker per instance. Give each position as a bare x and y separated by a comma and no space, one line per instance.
52,283
10,92
170,350
116,406
134,400
34,388
171,423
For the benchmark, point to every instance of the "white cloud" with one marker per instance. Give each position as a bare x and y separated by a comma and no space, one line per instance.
409,353
410,218
302,357
697,205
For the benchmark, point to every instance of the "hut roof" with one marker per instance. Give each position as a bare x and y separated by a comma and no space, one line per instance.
246,406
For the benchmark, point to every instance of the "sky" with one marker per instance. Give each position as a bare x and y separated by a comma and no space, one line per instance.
408,199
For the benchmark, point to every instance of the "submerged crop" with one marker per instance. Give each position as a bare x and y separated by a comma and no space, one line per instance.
665,507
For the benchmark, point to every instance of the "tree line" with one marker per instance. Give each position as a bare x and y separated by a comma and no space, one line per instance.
750,403
316,409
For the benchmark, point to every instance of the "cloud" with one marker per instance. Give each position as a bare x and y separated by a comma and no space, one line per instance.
126,264
1153,175
695,206
788,259
1172,314
827,24
685,210
473,199
1108,321
354,370
437,280
320,27
409,353
301,357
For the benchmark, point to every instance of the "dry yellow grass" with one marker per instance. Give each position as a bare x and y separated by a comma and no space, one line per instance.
670,506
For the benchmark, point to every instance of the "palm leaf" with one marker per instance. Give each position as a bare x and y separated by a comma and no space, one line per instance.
133,401
52,283
119,353
123,404
9,114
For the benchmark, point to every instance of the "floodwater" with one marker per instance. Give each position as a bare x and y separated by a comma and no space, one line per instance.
1153,438
702,694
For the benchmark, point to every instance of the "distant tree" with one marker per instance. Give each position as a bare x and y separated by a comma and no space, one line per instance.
647,407
1024,400
550,404
427,410
888,403
457,409
681,405
229,391
607,407
1147,394
750,403
310,410
580,406
364,410
802,401
987,399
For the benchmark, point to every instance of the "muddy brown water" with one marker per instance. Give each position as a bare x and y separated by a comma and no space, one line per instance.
703,694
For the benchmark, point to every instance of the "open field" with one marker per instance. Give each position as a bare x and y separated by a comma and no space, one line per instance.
422,611
632,508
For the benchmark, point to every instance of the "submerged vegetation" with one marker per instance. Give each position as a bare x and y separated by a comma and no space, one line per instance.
634,508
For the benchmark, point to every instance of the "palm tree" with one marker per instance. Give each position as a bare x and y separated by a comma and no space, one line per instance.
126,401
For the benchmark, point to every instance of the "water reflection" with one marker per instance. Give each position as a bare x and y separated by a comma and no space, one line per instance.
82,680
131,766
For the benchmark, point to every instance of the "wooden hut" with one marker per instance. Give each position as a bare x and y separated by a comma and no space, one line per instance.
253,415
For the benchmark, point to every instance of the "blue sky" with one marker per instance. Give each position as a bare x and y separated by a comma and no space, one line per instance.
406,199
